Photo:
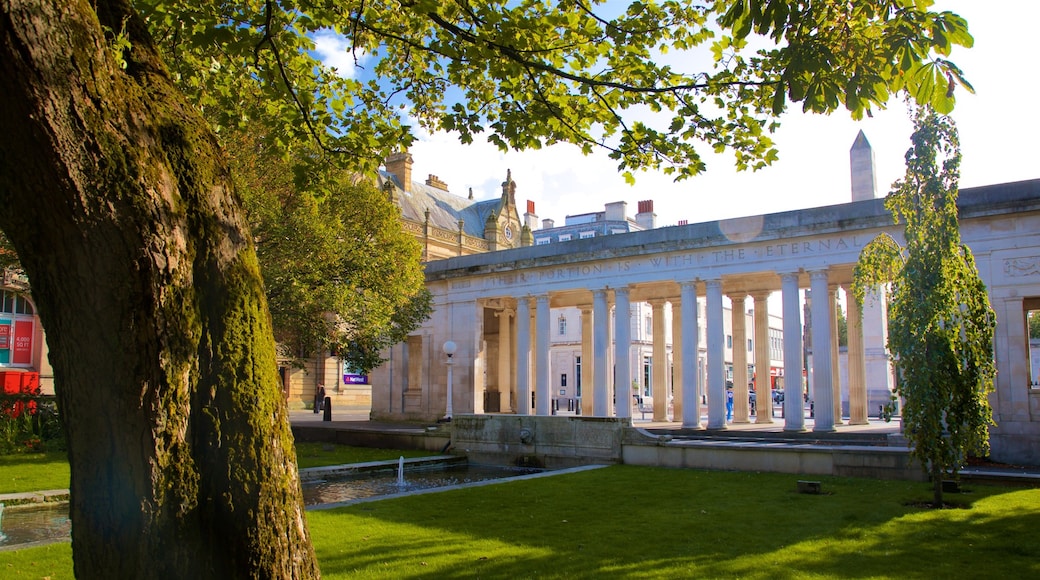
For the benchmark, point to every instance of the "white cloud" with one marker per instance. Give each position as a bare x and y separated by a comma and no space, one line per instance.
335,51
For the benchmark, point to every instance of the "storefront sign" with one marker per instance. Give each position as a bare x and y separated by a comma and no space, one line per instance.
23,335
5,335
351,379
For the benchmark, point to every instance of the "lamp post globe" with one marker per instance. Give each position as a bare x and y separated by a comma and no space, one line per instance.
449,350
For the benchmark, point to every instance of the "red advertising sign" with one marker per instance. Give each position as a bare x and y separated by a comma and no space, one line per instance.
23,335
5,336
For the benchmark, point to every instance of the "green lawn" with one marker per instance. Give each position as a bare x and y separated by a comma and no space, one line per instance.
36,471
321,454
638,522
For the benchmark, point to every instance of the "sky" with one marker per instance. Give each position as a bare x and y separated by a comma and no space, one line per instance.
999,126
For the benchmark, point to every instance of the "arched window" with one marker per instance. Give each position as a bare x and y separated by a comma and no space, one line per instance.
14,303
563,325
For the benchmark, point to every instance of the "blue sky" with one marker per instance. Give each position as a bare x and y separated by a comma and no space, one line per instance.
998,128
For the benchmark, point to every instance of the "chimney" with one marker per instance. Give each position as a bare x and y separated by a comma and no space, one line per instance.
400,166
434,181
616,211
646,218
861,161
547,224
530,218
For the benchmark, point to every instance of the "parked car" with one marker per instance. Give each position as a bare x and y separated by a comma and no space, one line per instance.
778,397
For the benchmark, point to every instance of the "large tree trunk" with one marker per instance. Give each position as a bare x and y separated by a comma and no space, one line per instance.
118,201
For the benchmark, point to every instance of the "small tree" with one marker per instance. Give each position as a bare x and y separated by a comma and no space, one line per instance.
940,320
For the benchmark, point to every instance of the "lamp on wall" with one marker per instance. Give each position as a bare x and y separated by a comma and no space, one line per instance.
449,349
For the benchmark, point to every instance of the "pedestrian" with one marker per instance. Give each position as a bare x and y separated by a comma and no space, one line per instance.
319,398
729,403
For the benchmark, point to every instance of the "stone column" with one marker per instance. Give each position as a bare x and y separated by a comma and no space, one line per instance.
541,383
832,291
716,356
741,410
523,356
534,355
794,413
505,359
588,373
622,352
691,405
763,381
660,363
822,312
600,346
677,366
857,362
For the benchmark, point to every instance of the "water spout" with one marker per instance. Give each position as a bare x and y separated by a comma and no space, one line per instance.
400,472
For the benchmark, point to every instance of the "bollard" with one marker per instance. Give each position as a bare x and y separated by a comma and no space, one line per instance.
328,409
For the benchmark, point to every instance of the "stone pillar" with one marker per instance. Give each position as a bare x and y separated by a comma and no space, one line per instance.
677,366
879,377
505,359
741,410
660,363
600,346
622,350
532,323
822,312
763,380
691,405
832,291
857,362
588,373
523,356
541,383
716,356
794,413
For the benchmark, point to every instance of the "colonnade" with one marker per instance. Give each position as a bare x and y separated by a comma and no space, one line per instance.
532,345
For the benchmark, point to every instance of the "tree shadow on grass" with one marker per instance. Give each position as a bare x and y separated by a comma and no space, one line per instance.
645,522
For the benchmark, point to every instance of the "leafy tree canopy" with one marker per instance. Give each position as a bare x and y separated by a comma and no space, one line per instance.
339,271
650,81
941,325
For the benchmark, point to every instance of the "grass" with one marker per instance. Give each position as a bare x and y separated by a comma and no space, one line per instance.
321,454
23,472
639,522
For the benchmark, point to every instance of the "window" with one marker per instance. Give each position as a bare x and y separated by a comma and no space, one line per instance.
647,376
12,303
577,376
649,325
1032,306
749,348
589,234
729,341
541,241
565,237
563,380
563,325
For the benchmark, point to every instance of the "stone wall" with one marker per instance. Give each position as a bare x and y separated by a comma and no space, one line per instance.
552,441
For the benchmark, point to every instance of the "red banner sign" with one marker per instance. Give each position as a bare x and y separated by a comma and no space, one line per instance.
23,336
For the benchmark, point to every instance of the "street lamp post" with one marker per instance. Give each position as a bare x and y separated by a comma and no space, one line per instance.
449,349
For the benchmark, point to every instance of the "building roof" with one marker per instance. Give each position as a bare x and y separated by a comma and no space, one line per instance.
446,208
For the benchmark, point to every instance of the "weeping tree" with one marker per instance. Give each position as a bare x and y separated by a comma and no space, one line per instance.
941,325
118,199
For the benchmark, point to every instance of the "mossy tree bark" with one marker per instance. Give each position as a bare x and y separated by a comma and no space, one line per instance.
117,199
